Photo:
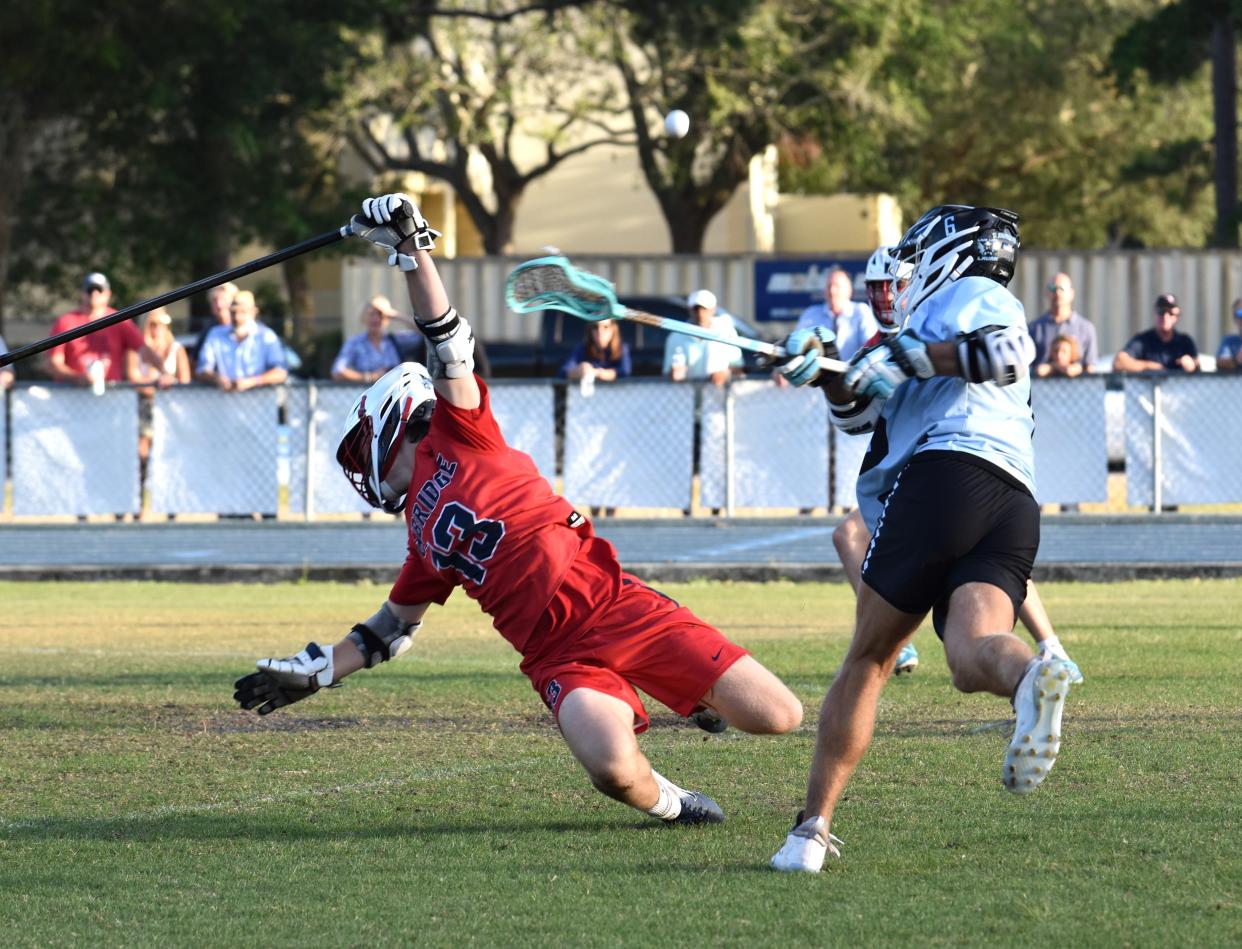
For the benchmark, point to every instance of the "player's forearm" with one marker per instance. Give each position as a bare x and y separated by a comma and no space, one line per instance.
427,294
348,658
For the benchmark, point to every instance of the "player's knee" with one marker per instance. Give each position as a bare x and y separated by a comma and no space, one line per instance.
785,715
614,777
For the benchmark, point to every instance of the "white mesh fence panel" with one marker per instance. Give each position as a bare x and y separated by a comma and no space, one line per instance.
214,451
629,445
1139,409
527,417
297,426
847,456
1071,442
779,446
330,492
1200,452
75,452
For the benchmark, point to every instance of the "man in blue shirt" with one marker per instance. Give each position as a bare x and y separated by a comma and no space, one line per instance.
1229,353
366,356
245,355
852,322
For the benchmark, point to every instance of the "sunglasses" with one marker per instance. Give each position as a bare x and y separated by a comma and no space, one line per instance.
1054,288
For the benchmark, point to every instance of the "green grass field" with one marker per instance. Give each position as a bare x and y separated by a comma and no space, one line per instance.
431,801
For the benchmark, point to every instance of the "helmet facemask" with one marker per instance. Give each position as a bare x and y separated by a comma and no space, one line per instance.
395,411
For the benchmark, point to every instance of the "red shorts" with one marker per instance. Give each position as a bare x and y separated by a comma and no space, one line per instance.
643,640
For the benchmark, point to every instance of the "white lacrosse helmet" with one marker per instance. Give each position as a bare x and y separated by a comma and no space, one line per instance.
886,276
396,409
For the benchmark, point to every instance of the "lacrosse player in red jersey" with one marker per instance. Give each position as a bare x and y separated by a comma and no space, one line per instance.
480,516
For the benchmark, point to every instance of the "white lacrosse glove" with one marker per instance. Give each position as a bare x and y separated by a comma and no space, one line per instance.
1051,648
878,371
805,346
390,219
281,682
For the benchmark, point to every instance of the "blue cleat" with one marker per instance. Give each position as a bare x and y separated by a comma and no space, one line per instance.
907,659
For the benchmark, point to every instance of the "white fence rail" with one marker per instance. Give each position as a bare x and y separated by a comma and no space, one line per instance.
634,444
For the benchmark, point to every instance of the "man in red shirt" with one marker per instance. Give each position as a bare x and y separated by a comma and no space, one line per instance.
70,362
480,517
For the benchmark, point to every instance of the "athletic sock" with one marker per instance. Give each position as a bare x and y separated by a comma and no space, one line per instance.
668,805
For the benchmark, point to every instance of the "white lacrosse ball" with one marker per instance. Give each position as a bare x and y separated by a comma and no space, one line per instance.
677,123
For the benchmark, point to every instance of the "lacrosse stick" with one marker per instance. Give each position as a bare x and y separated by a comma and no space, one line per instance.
553,283
172,296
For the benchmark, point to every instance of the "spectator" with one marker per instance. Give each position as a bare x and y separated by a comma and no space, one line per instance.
602,354
1227,358
244,356
6,374
160,362
1064,359
371,353
1061,319
1162,347
688,357
852,321
71,362
221,300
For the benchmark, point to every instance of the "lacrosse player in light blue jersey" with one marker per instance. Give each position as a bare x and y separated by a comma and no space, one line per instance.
947,495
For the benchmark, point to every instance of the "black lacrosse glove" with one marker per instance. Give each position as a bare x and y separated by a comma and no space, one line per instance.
281,682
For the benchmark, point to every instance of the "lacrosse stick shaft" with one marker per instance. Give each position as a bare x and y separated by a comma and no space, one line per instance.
741,342
172,296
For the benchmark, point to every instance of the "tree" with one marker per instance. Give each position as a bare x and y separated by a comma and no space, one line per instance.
1011,104
747,72
1169,46
486,100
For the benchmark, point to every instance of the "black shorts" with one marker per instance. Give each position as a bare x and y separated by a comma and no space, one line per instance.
951,519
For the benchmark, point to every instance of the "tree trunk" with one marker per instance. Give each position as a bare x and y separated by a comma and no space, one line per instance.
200,306
1225,115
301,302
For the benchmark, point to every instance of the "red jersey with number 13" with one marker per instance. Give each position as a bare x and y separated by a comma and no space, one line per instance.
480,516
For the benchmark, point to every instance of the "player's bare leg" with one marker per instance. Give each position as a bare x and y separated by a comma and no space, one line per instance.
984,660
599,730
851,539
983,655
846,724
752,699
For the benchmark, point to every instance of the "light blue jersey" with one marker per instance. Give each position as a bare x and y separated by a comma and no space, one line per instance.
946,413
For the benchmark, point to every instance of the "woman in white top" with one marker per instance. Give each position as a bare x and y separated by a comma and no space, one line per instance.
162,362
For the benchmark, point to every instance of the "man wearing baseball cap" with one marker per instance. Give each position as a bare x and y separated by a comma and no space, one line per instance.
1229,353
110,346
688,357
1161,348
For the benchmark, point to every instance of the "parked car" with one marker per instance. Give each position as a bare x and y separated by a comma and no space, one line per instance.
560,333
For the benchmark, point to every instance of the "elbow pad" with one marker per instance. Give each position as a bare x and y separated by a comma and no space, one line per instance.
383,637
857,417
1000,354
452,340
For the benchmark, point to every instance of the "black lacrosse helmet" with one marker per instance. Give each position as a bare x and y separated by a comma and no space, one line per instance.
953,241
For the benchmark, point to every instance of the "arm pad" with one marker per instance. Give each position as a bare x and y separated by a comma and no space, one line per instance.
857,417
452,339
1000,354
383,637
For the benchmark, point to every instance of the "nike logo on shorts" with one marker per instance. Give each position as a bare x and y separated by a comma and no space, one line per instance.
718,652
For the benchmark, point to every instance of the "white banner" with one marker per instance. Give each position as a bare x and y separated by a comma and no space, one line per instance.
75,452
527,417
1200,449
1071,440
847,456
330,491
629,445
779,451
213,451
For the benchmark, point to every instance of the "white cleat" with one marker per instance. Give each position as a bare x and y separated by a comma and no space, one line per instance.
806,847
1039,702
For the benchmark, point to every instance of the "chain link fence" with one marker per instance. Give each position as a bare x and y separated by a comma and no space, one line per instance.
635,445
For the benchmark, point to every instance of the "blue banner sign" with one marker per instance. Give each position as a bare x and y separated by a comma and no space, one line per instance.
784,288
